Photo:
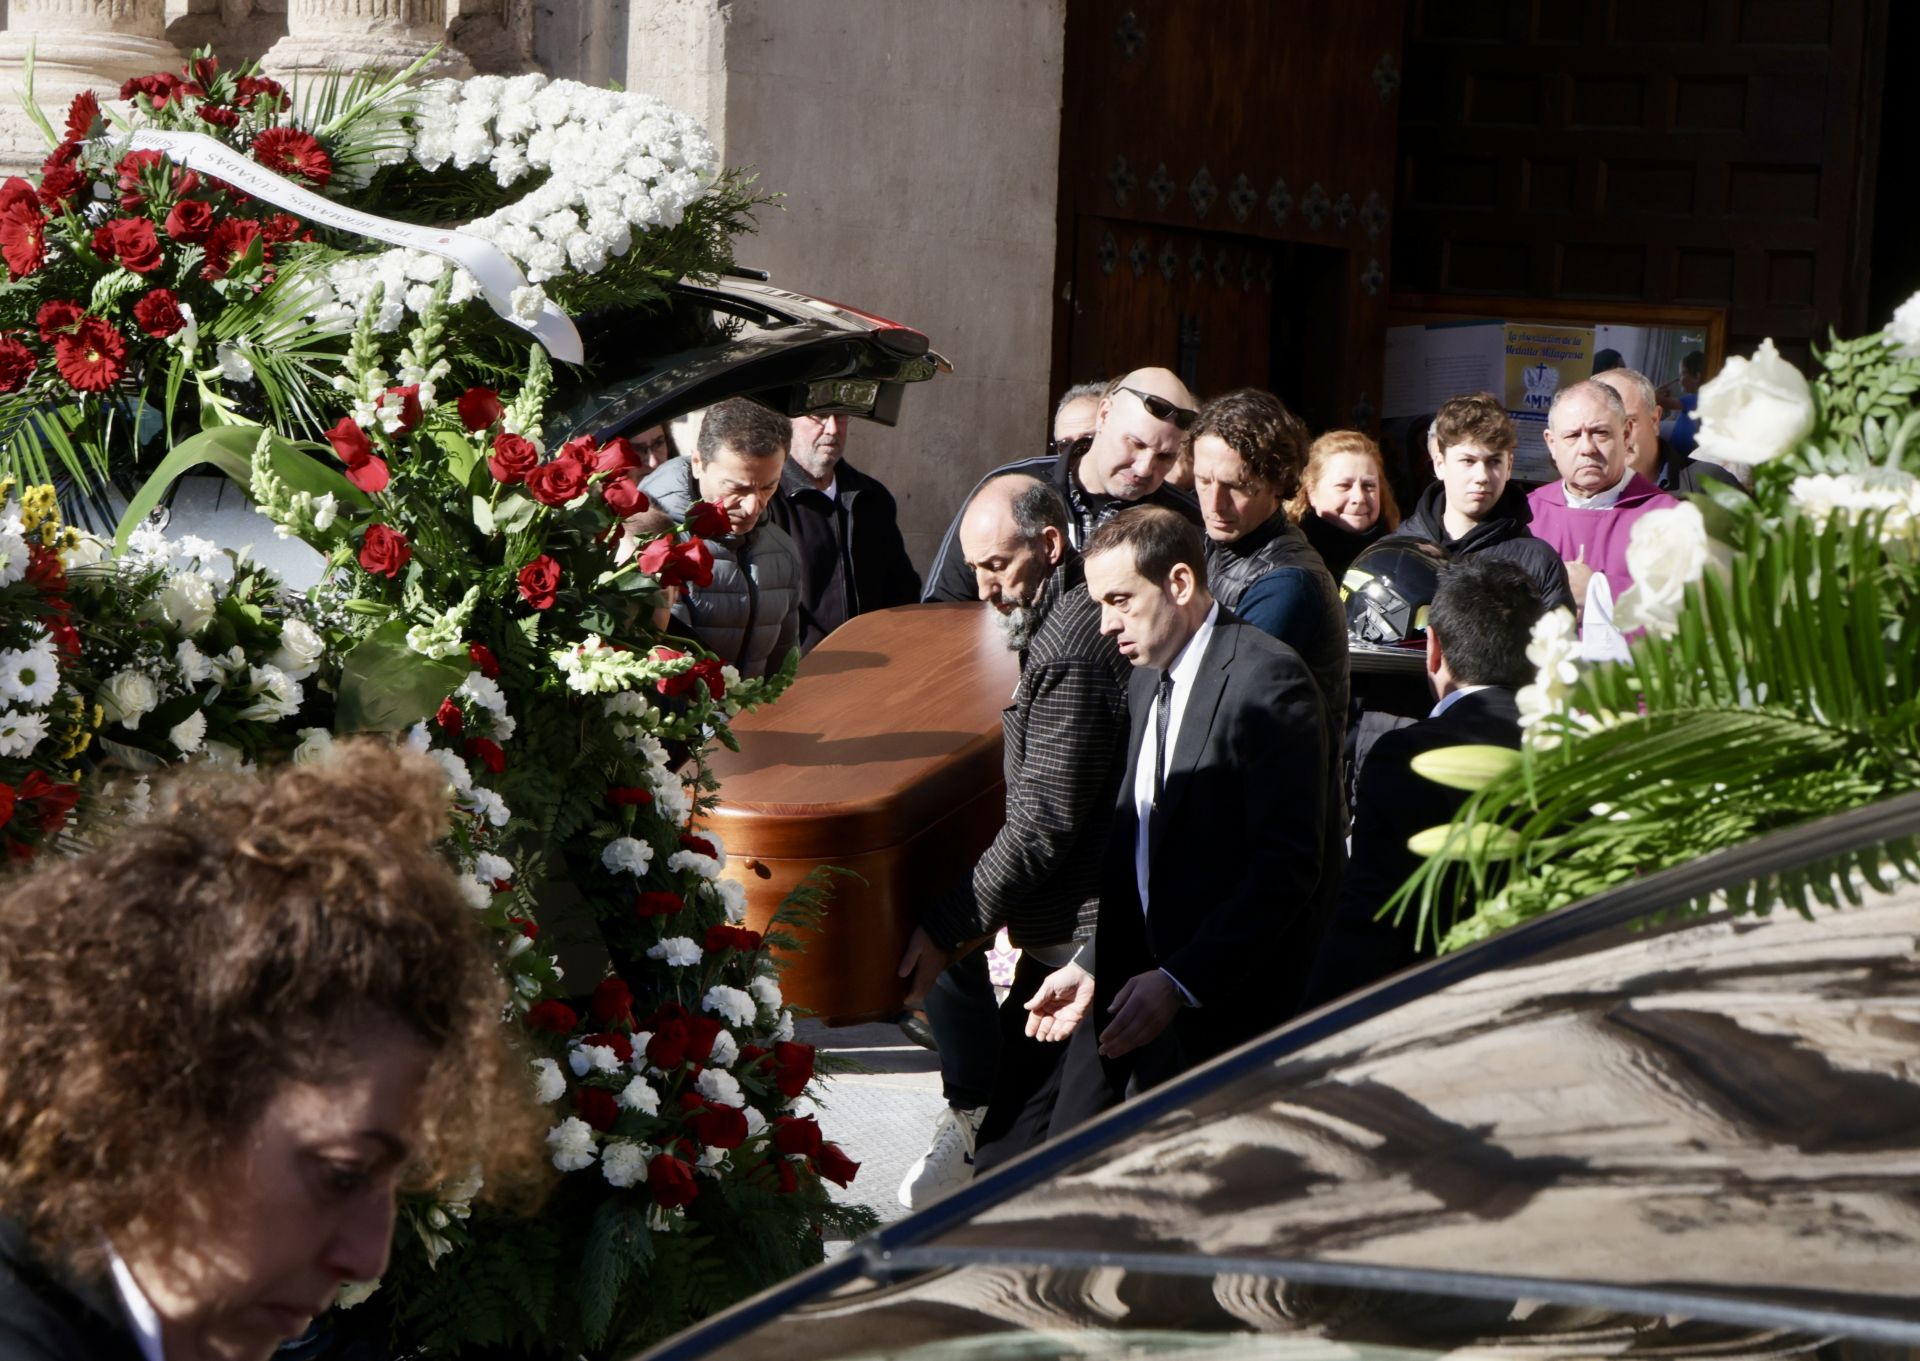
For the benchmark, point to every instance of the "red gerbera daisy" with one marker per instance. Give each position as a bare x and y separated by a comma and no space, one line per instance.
295,154
16,364
56,317
228,245
94,357
22,239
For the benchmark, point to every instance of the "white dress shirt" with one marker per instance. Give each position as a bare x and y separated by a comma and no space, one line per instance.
140,1311
1447,700
1600,500
1184,671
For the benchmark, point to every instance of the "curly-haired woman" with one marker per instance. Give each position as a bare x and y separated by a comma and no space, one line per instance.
233,1030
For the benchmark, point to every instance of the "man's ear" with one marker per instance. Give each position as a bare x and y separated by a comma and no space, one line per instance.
1433,452
1181,583
1435,657
1056,543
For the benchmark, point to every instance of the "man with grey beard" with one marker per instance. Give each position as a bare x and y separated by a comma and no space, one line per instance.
1065,742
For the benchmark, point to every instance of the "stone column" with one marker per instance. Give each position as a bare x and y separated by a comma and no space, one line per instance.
387,35
76,45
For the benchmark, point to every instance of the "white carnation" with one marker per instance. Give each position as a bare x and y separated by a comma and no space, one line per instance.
730,1004
572,1143
1887,492
624,1164
716,1084
193,665
784,1031
485,692
1903,330
725,1050
767,992
549,1083
733,897
627,855
275,694
189,733
494,869
679,951
706,866
639,1095
592,1058
489,805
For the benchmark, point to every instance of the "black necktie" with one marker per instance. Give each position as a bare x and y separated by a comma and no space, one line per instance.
1160,738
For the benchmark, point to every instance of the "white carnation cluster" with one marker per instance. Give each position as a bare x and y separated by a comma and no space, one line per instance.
616,163
1887,492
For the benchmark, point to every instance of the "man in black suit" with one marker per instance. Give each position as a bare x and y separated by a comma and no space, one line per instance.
1482,616
1206,925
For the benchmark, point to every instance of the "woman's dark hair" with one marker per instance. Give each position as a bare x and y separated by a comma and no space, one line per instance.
157,990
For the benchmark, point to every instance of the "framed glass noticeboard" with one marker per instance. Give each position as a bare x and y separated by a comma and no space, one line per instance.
1524,350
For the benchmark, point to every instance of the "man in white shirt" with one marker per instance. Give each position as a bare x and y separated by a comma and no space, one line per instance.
1208,926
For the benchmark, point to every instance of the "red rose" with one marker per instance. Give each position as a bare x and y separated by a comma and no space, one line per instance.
482,656
623,495
228,245
295,154
449,716
596,1106
693,563
81,115
512,459
707,671
16,364
657,903
802,1135
531,930
702,1031
835,1165
384,552
580,449
708,520
612,1000
355,450
629,796
792,1068
668,1047
666,1011
555,1017
617,455
135,244
789,1182
751,1054
480,408
671,1181
621,1046
190,221
724,937
218,115
487,752
94,357
558,482
720,1126
6,803
158,313
540,582
409,406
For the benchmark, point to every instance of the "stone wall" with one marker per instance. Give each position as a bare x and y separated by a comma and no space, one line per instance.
917,147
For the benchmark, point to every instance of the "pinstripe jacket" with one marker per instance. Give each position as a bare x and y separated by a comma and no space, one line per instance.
1065,742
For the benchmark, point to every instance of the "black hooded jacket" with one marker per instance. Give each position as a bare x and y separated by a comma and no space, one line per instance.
1502,535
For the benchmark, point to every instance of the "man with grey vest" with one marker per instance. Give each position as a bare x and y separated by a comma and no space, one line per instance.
1065,746
749,615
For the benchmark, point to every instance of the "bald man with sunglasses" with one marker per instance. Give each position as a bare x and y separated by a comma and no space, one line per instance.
1141,424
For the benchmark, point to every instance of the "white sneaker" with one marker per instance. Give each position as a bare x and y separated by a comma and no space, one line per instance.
947,1163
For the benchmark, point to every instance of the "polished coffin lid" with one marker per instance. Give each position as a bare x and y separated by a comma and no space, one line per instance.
892,723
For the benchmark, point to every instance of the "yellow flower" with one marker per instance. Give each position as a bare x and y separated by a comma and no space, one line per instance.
99,715
38,506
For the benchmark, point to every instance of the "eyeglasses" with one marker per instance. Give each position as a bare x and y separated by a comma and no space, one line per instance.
1163,410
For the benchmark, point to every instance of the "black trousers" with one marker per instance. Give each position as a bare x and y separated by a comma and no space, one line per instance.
964,1015
1020,1111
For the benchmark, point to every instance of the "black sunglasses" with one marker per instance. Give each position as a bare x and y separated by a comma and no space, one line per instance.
1163,410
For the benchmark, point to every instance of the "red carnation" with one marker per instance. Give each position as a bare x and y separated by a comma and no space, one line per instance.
671,1181
190,221
708,520
833,1164
617,455
612,1001
720,1126
59,180
248,89
702,1031
799,1135
556,1017
449,716
597,1107
159,88
58,317
558,482
135,243
751,1054
487,752
384,551
218,115
280,227
540,582
531,930
81,115
792,1068
623,495
158,313
94,357
699,845
629,796
657,903
228,246
724,937
621,1046
295,154
789,1181
16,364
668,1047
480,408
409,406
512,459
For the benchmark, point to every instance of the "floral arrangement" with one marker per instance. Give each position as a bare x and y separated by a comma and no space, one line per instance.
483,599
1772,679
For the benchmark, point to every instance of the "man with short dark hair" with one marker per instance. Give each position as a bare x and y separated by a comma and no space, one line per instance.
1478,627
846,529
1065,736
1206,926
749,614
1138,428
1474,509
1649,455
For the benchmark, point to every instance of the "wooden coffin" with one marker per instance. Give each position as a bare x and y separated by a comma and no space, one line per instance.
882,759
